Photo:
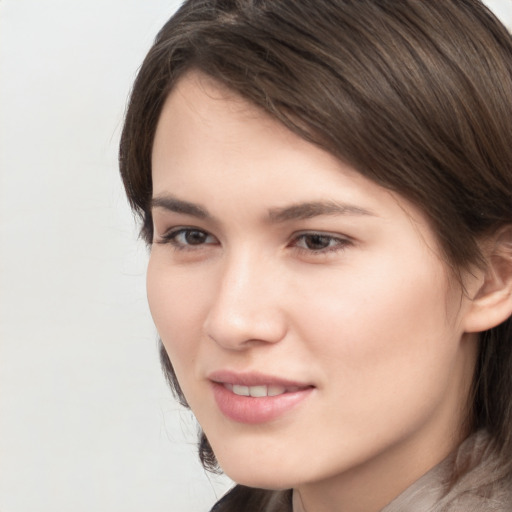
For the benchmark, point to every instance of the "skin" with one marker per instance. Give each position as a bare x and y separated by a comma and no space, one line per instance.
357,303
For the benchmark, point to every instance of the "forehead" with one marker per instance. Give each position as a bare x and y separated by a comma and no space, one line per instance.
200,105
207,129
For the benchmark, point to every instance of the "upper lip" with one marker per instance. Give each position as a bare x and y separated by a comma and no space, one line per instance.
252,379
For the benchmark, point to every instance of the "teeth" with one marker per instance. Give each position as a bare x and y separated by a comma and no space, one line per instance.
241,390
275,390
258,391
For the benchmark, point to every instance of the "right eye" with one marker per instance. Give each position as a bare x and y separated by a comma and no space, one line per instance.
187,238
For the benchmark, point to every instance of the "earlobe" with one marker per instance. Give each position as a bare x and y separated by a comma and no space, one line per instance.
492,303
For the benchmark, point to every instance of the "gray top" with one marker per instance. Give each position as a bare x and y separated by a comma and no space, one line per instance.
483,486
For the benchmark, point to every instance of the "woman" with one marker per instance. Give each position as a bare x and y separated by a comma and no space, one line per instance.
326,188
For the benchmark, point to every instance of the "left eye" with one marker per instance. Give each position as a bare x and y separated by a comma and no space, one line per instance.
318,242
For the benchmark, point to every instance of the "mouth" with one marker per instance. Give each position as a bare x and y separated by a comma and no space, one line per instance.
256,398
261,391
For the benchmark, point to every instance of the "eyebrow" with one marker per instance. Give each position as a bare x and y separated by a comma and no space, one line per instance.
309,210
173,204
300,211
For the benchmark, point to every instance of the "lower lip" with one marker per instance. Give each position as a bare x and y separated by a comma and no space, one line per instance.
251,410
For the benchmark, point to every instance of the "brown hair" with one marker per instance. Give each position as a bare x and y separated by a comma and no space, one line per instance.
414,94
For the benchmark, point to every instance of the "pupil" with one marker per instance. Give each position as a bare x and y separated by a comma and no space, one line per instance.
195,237
316,242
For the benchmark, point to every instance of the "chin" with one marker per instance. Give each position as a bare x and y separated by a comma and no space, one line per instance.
257,472
259,479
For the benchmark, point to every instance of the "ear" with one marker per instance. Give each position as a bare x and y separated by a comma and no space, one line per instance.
491,298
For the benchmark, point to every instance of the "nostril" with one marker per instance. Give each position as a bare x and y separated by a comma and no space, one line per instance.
237,333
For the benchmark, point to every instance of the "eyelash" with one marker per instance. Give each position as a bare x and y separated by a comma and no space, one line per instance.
171,238
335,243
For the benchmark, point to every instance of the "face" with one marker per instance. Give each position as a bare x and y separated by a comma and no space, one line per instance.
313,327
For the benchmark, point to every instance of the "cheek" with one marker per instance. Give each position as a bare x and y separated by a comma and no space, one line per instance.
384,327
386,353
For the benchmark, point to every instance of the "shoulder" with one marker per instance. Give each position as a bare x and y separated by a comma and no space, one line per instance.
491,496
254,500
486,486
501,502
472,479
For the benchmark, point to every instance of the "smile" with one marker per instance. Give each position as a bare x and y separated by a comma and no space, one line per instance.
254,398
260,391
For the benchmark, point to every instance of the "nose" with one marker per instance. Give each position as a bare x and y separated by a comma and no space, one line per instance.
247,308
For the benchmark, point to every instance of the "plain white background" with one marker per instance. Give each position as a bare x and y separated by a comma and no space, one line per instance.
86,421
